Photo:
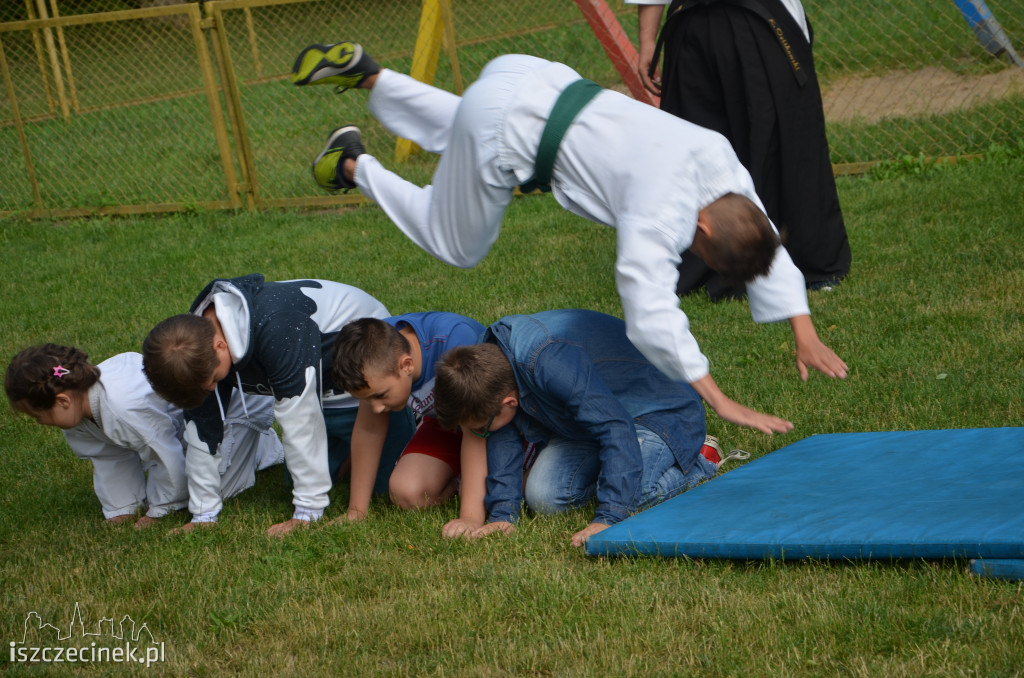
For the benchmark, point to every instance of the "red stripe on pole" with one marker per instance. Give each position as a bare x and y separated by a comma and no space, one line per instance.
616,45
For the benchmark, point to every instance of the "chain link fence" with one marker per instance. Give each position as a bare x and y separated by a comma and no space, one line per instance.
912,78
154,105
103,110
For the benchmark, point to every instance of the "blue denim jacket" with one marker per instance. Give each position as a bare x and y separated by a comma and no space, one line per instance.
580,378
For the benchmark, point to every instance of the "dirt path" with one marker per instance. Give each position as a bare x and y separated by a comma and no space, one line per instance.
929,90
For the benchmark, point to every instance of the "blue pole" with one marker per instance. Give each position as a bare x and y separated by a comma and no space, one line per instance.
990,33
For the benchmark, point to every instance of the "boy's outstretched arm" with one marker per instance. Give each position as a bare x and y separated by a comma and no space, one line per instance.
811,352
368,435
730,410
472,513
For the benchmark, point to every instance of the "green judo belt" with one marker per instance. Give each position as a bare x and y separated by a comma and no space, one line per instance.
568,105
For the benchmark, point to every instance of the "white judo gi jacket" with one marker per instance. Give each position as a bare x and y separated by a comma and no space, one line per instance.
622,163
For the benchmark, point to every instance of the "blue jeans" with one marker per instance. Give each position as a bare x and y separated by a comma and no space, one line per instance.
566,472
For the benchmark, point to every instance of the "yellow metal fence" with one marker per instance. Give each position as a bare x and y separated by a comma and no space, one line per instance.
188,106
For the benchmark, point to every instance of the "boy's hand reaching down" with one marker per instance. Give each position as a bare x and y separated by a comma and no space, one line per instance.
491,528
459,528
580,538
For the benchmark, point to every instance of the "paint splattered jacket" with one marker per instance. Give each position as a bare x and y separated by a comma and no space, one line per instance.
280,336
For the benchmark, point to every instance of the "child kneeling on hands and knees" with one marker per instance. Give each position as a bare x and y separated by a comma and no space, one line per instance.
253,337
389,365
615,428
134,438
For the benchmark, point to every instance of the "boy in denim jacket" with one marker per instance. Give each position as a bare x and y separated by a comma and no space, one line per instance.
614,427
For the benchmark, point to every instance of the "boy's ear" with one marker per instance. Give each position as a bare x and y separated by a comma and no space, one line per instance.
220,347
512,399
704,224
406,364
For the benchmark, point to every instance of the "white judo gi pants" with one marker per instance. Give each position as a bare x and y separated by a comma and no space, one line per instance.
458,217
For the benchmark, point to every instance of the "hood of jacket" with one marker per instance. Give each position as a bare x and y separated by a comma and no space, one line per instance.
232,301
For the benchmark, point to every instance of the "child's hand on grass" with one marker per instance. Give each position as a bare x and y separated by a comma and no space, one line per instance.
819,356
459,528
580,538
732,411
353,516
812,352
188,527
281,529
490,528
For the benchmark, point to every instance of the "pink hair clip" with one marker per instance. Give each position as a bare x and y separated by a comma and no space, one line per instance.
59,371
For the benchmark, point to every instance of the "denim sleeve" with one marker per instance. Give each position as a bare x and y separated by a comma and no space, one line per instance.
504,498
566,374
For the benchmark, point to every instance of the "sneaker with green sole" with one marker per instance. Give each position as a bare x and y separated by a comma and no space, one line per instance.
343,65
344,142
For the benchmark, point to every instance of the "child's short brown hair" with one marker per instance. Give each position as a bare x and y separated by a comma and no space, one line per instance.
179,359
744,242
367,345
471,383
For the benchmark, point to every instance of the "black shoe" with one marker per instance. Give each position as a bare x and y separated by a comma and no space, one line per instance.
344,142
343,65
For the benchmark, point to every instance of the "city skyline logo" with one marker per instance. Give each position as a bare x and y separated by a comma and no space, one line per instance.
126,641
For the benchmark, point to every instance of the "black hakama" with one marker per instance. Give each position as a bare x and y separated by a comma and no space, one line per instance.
750,76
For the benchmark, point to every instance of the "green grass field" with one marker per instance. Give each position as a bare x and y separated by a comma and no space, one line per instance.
930,321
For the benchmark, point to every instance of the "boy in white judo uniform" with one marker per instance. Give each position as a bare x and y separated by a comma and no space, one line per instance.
665,184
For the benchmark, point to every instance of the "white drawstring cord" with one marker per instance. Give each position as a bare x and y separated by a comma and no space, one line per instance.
220,404
241,394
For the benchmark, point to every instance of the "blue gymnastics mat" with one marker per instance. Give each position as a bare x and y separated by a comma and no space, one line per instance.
904,494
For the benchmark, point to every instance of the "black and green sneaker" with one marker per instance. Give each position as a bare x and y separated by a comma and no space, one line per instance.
344,142
343,65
